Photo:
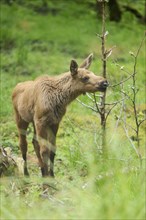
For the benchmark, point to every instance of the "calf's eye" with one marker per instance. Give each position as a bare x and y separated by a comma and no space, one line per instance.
85,79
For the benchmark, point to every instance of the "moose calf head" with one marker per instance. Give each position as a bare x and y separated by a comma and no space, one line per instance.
87,81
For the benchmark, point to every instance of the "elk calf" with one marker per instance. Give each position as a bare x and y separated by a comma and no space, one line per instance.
43,103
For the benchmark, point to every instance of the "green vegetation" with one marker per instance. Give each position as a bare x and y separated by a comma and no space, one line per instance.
86,186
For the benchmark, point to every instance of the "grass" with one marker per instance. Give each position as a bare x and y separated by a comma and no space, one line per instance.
86,186
112,197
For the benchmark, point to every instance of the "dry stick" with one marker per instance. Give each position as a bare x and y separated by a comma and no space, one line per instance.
133,101
134,84
103,97
101,106
134,90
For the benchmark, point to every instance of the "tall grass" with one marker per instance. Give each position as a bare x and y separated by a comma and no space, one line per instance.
117,195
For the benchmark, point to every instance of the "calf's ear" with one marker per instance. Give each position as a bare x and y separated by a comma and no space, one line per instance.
87,62
73,67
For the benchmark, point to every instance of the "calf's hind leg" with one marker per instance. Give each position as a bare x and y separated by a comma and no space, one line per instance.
52,138
41,147
22,130
37,147
46,136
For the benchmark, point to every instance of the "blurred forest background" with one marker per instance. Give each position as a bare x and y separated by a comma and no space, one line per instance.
41,37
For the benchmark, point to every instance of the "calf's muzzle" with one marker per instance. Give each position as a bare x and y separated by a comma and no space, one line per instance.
103,85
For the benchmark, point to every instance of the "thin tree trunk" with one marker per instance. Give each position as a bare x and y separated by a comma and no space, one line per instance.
103,97
115,13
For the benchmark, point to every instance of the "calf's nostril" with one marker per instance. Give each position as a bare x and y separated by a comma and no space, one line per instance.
105,84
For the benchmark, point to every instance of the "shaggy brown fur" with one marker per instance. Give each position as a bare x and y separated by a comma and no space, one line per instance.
43,102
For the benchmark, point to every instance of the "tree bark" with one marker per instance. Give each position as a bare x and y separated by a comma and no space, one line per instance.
115,13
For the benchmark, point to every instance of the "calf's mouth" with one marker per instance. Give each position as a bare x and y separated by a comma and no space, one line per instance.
103,86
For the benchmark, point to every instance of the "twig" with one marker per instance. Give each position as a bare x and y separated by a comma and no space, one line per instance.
134,90
142,121
122,68
97,95
122,81
89,96
87,106
93,99
127,134
128,125
110,111
113,103
96,104
124,93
